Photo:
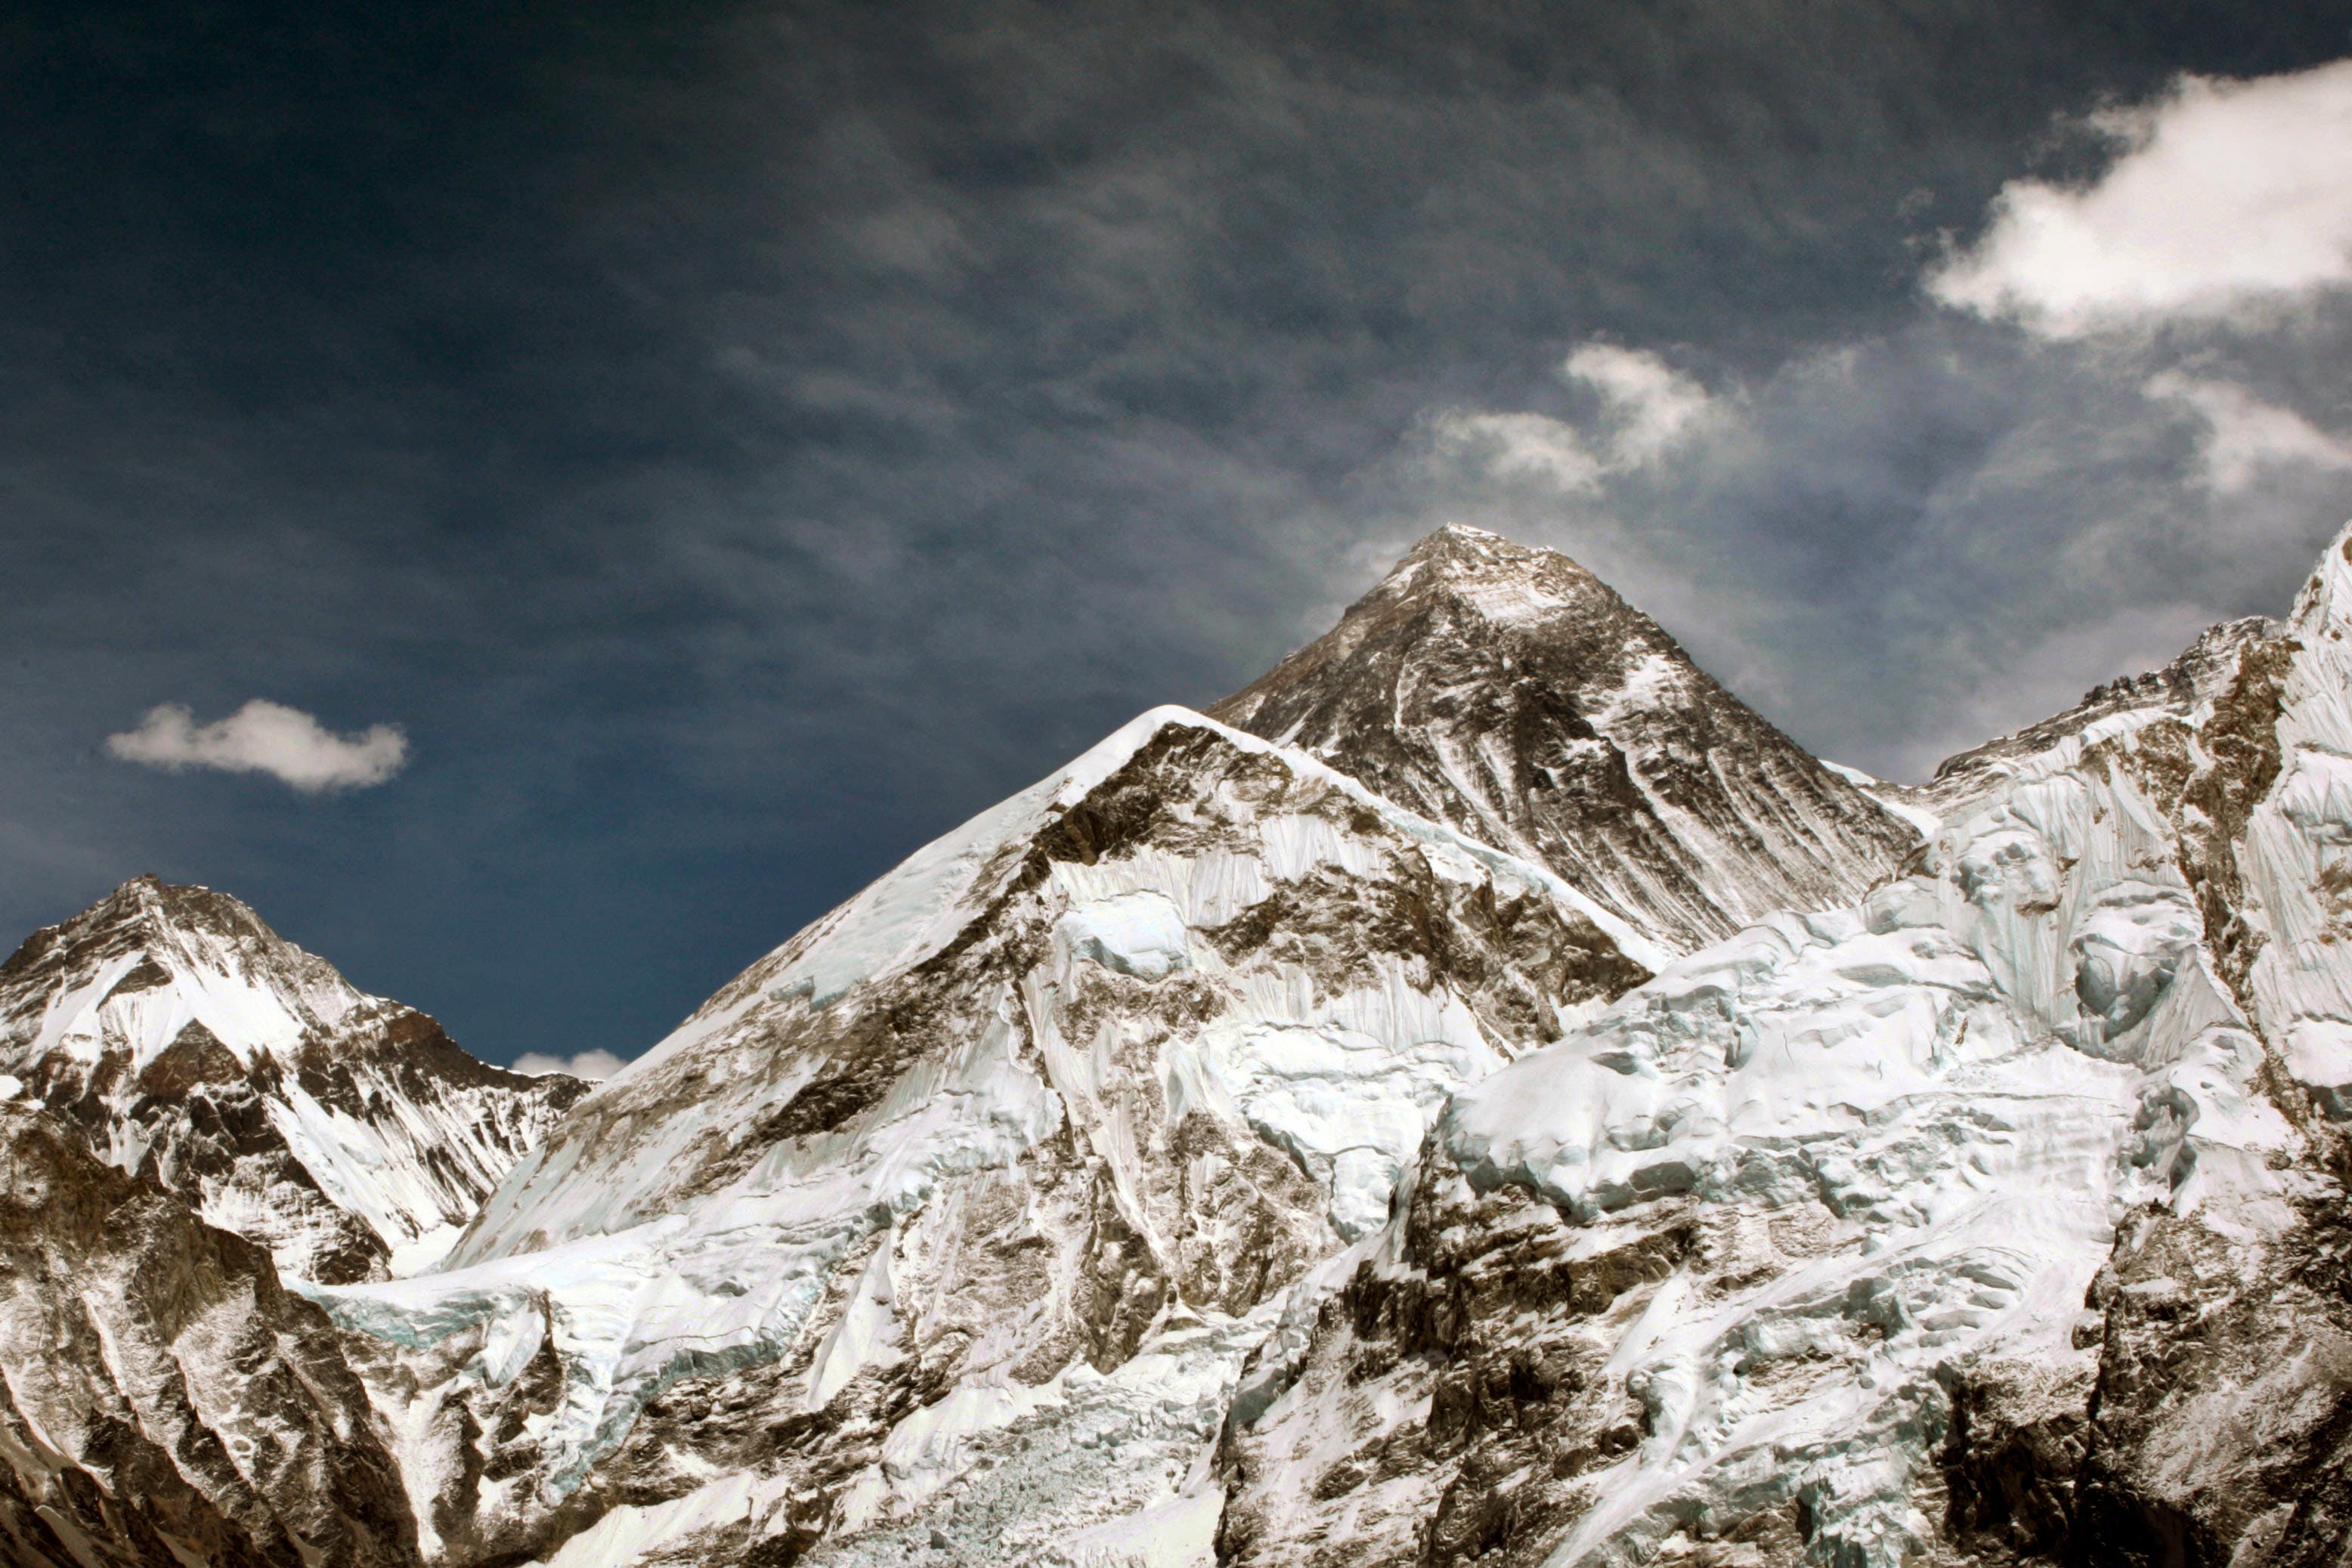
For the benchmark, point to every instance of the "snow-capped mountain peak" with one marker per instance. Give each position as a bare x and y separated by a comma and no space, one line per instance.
1346,1150
184,1038
141,970
1508,691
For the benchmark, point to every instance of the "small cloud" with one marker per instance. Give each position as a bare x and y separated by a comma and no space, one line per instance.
264,736
1650,405
1648,408
2225,194
592,1065
1528,445
2245,434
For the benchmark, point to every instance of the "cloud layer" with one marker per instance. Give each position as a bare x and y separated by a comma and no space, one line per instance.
2244,438
2227,196
264,736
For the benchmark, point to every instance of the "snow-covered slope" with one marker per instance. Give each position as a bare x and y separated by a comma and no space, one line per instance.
948,1224
1511,693
1997,1216
182,1038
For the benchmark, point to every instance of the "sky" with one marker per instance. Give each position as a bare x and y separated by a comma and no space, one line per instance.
543,500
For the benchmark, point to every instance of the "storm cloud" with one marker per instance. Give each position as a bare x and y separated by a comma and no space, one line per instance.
734,442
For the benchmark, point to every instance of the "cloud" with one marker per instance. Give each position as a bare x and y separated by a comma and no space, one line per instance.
2225,194
592,1065
265,736
1647,408
2243,435
1651,406
1529,445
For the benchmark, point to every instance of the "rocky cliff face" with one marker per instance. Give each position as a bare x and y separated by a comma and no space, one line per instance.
184,1039
2194,681
163,1400
1511,693
946,1227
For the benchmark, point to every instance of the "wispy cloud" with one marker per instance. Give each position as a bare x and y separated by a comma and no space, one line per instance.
264,736
1648,405
1647,408
2244,436
592,1065
836,339
1526,445
2226,194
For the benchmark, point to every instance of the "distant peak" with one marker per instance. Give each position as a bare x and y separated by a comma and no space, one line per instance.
1457,548
148,902
1459,540
1495,580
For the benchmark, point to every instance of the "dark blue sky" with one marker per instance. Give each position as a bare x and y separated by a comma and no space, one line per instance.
736,443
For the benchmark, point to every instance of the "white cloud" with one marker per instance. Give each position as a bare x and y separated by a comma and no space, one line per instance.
2226,194
1650,405
265,736
1529,445
1647,408
592,1065
2245,434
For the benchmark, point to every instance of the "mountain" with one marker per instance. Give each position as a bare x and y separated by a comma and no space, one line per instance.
1510,693
946,1227
1998,1218
163,1399
1206,1156
183,1038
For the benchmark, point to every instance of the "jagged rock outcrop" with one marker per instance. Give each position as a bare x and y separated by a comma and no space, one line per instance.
184,1038
1509,692
951,1220
163,1399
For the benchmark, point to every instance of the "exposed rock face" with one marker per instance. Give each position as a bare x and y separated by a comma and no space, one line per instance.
184,1039
164,1401
2221,1429
954,1218
1511,693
